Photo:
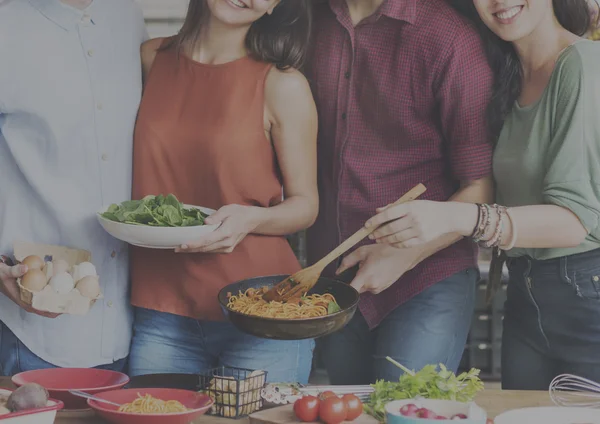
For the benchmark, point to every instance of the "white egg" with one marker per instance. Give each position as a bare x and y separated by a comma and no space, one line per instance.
84,269
62,283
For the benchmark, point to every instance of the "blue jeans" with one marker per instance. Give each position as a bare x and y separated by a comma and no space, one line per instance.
431,328
552,321
15,357
167,343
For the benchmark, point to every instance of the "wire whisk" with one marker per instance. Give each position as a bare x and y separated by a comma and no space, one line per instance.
573,391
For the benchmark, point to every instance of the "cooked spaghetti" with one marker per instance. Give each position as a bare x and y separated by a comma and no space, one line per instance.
251,302
150,405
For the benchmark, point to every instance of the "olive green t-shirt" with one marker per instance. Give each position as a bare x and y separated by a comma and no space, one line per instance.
549,152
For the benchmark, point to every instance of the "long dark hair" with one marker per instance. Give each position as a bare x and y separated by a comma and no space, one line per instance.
280,38
573,15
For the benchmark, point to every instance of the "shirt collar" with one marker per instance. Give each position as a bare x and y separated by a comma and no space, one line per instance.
61,14
401,10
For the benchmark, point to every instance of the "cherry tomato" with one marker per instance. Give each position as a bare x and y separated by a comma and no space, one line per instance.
332,410
307,408
354,407
327,394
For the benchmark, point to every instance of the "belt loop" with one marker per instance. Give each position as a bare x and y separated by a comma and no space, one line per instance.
564,269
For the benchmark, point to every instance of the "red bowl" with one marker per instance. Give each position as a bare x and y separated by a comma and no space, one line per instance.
197,403
58,382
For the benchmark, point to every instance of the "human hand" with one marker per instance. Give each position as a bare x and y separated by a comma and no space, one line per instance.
236,221
421,221
380,266
9,287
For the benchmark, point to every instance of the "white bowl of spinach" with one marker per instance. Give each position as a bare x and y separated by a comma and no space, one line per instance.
157,222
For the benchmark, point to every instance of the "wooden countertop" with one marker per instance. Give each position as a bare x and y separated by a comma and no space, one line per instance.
493,401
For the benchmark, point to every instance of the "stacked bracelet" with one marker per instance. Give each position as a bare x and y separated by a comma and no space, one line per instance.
498,231
482,224
489,233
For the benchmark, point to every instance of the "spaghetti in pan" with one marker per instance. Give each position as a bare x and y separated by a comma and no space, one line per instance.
250,302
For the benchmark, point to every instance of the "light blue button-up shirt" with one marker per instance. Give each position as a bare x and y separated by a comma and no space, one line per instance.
70,87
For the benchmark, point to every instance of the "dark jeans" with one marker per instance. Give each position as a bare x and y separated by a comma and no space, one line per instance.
15,357
431,328
552,321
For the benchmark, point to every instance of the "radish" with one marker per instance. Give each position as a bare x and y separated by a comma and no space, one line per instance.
459,417
409,410
426,413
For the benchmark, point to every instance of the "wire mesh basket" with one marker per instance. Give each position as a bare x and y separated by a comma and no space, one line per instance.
235,391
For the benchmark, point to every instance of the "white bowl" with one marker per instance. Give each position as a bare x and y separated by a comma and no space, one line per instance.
156,237
550,415
445,408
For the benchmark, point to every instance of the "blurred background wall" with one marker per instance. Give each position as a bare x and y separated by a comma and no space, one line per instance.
163,17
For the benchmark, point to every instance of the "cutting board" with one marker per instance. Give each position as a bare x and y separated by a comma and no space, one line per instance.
285,414
494,402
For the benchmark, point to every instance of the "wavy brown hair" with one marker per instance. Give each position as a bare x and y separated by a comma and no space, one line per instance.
280,38
573,15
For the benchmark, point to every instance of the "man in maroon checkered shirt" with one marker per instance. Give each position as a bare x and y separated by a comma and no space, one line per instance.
402,87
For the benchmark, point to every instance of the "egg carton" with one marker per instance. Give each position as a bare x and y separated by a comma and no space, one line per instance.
48,299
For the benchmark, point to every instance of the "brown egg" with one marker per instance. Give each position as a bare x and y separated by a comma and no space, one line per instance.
33,262
89,287
34,280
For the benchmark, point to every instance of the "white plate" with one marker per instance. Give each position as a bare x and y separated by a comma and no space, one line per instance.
550,415
156,237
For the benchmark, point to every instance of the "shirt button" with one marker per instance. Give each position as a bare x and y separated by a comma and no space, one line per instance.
344,116
596,278
104,157
347,75
110,303
90,52
113,254
86,19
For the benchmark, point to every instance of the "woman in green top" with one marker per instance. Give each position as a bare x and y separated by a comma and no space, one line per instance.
547,170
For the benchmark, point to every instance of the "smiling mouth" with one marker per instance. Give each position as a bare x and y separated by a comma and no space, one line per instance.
508,14
238,3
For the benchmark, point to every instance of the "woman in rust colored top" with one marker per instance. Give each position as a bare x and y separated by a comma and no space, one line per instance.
226,122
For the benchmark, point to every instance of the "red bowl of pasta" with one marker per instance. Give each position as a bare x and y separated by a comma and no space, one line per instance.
58,382
151,406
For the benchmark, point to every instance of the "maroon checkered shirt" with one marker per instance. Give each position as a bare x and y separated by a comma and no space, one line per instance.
401,101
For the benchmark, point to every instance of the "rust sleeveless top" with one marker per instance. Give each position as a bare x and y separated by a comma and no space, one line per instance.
200,135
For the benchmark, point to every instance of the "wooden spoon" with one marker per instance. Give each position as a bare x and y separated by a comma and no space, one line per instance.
302,281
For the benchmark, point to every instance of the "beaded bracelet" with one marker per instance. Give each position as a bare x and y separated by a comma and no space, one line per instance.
478,225
497,235
485,223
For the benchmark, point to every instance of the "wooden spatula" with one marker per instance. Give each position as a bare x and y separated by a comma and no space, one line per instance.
301,282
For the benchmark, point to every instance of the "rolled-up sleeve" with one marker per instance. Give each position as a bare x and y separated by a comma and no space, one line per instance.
463,93
573,157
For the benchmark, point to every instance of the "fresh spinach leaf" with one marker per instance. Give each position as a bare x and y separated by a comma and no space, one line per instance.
332,308
155,211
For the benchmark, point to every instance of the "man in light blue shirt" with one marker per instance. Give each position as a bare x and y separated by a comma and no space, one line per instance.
70,86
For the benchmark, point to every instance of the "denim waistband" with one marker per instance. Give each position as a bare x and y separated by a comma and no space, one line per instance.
563,265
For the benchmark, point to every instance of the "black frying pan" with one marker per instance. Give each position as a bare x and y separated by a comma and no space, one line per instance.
293,329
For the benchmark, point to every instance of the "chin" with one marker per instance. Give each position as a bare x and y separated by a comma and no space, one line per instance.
224,12
511,35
